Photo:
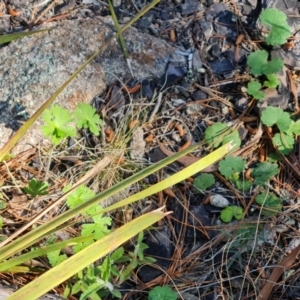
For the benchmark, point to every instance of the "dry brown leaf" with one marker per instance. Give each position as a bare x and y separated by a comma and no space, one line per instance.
13,12
282,266
185,145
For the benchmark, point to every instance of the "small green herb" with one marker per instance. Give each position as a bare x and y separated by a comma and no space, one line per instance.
99,227
274,157
162,293
258,60
296,127
259,64
274,115
56,258
220,133
270,203
2,204
204,181
79,196
272,81
36,188
284,142
253,89
243,185
279,28
57,124
87,117
231,211
231,165
264,172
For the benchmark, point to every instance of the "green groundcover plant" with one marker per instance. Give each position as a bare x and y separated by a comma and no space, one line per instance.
59,122
261,66
114,265
288,129
232,168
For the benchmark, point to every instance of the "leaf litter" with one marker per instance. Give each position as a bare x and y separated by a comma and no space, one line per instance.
207,259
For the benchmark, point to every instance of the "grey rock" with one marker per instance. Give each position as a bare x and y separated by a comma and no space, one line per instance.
146,20
219,201
33,68
241,103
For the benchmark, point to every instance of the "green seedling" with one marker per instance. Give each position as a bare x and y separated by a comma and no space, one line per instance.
264,172
99,225
98,280
162,293
221,134
56,257
274,157
259,64
87,117
271,205
243,185
276,21
231,212
231,166
254,89
258,61
272,81
296,127
284,140
91,283
78,196
58,124
36,188
109,272
136,258
274,115
87,280
2,204
204,181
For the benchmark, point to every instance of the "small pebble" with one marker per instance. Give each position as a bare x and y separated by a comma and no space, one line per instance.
219,201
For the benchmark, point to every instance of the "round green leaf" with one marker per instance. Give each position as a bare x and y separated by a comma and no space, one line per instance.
204,181
279,29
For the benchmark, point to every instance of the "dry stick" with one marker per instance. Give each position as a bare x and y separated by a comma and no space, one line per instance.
45,11
158,103
89,175
214,94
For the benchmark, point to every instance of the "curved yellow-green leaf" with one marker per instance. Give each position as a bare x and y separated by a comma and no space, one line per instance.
87,256
18,260
191,170
31,237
